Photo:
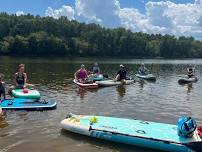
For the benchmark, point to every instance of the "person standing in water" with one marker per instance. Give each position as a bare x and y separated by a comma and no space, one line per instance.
190,71
143,70
121,74
81,75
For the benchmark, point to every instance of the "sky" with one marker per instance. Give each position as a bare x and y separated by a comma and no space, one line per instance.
175,17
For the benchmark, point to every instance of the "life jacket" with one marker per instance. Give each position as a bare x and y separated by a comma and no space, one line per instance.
186,127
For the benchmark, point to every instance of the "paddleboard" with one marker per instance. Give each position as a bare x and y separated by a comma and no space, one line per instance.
159,136
187,80
106,83
27,104
96,77
146,77
86,85
26,93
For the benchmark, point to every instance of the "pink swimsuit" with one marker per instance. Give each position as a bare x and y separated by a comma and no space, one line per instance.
82,74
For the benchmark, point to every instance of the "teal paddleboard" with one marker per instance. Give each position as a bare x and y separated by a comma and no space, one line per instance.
26,93
146,77
147,134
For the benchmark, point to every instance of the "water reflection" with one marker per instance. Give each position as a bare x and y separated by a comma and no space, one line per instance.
161,101
3,122
189,88
81,92
121,90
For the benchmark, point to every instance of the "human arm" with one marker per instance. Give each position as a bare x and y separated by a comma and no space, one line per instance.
76,74
15,77
25,78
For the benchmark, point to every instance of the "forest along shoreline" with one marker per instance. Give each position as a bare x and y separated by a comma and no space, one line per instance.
30,35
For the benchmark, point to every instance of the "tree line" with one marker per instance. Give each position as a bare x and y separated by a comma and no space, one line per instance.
35,35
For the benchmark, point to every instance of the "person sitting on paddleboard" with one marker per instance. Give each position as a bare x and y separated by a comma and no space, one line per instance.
21,78
121,74
142,70
96,68
190,71
2,87
81,75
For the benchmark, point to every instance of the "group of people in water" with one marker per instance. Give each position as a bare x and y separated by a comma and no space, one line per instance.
82,74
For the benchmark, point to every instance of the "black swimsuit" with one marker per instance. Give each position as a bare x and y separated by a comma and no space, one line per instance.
190,72
20,80
122,74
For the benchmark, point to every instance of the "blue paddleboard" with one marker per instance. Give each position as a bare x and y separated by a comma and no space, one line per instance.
27,104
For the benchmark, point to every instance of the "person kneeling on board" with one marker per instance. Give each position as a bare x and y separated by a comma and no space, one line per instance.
81,75
20,79
190,71
121,74
96,68
143,70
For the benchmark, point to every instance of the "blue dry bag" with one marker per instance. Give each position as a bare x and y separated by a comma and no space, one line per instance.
186,127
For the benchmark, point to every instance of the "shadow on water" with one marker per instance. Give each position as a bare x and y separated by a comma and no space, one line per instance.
103,143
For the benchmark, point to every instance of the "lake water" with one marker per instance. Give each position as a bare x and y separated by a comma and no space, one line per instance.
161,101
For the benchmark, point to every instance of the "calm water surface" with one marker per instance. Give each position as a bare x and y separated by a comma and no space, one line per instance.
162,101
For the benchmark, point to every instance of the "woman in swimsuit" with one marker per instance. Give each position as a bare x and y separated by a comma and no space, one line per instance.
81,75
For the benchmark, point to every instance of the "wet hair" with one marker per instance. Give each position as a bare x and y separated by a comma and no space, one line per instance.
20,66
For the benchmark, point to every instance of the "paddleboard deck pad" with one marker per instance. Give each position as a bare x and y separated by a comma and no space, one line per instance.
147,134
26,93
27,104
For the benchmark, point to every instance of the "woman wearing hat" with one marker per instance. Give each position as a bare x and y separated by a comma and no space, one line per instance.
121,74
81,74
